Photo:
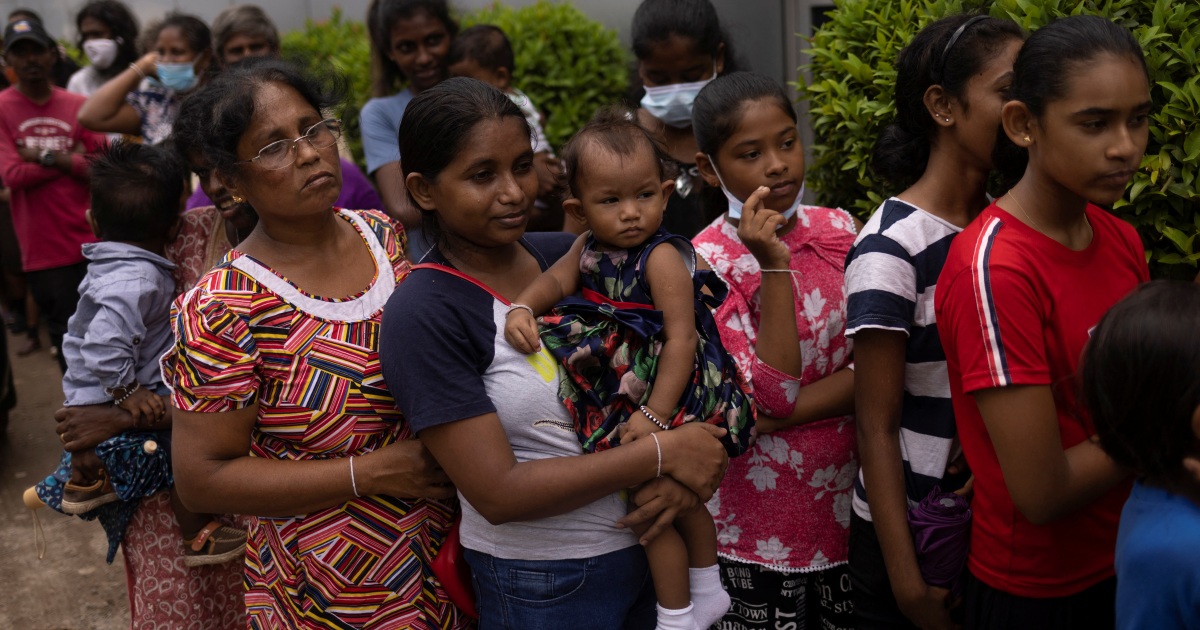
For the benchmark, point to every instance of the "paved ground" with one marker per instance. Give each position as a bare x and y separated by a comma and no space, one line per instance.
71,587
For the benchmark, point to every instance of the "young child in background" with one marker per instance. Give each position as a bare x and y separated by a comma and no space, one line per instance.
640,349
121,329
1141,383
1022,287
484,53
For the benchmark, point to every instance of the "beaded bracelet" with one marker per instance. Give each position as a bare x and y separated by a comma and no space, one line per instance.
658,423
128,393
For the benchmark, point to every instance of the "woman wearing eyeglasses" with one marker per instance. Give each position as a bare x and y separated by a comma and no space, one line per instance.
281,411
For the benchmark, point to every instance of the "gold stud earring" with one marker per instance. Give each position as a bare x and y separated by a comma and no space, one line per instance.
1026,139
237,199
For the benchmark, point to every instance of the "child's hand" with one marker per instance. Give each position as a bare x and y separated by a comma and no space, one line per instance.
757,231
521,331
145,407
638,426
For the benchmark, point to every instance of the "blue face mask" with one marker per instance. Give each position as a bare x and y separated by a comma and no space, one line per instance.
672,104
735,205
179,77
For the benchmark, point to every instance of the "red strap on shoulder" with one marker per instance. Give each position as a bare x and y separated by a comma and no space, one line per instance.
458,274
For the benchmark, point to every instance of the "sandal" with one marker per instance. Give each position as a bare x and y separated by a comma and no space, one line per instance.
77,499
215,544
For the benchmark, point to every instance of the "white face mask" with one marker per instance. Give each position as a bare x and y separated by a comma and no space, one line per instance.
735,205
101,52
672,104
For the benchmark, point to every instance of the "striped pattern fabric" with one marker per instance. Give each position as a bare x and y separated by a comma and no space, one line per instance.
891,274
989,323
246,334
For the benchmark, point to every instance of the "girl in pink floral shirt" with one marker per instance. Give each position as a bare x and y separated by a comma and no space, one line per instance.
783,510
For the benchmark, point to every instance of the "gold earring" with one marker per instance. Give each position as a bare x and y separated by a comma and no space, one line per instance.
237,199
1026,139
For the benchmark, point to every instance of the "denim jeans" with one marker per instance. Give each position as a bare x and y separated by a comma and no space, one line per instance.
605,592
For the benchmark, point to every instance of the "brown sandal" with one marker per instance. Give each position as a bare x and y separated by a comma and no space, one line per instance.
215,544
79,499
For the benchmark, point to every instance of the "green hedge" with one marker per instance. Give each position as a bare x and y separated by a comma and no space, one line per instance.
567,63
850,101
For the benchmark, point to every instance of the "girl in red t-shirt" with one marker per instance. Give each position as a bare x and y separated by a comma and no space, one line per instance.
1021,289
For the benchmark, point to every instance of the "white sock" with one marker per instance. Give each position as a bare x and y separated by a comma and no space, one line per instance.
676,619
709,598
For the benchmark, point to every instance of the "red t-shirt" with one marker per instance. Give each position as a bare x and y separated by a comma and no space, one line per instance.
47,205
1015,307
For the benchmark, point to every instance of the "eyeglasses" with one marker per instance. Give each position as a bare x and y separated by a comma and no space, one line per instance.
282,153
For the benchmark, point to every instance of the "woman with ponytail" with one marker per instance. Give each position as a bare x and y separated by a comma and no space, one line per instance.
950,87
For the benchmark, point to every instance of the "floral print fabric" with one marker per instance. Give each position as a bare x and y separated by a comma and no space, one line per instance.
608,345
786,503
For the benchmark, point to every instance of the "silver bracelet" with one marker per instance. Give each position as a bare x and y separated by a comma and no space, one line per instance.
353,483
658,447
137,70
658,423
514,306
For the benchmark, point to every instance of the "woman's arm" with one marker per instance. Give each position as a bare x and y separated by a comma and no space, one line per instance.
477,456
557,282
1046,481
106,109
830,397
778,342
879,396
216,475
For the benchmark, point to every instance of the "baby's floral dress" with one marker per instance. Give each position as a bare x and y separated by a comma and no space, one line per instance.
607,343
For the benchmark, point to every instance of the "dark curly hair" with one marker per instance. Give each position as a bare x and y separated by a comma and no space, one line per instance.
902,149
136,190
213,119
1140,378
124,26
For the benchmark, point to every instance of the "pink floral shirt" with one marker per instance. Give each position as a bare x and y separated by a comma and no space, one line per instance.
785,504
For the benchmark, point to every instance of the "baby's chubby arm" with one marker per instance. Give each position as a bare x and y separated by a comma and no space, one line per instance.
557,282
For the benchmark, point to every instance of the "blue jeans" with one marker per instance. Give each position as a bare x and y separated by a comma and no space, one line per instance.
605,592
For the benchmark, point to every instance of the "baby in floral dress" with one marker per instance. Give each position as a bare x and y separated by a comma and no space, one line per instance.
638,360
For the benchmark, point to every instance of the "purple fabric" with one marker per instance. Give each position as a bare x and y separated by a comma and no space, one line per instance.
357,191
941,528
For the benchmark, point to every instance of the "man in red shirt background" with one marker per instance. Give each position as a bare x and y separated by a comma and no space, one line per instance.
43,162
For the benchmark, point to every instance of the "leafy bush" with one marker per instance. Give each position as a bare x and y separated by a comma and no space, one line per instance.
567,63
850,101
343,46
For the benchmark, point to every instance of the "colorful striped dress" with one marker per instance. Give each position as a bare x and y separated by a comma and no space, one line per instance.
246,334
